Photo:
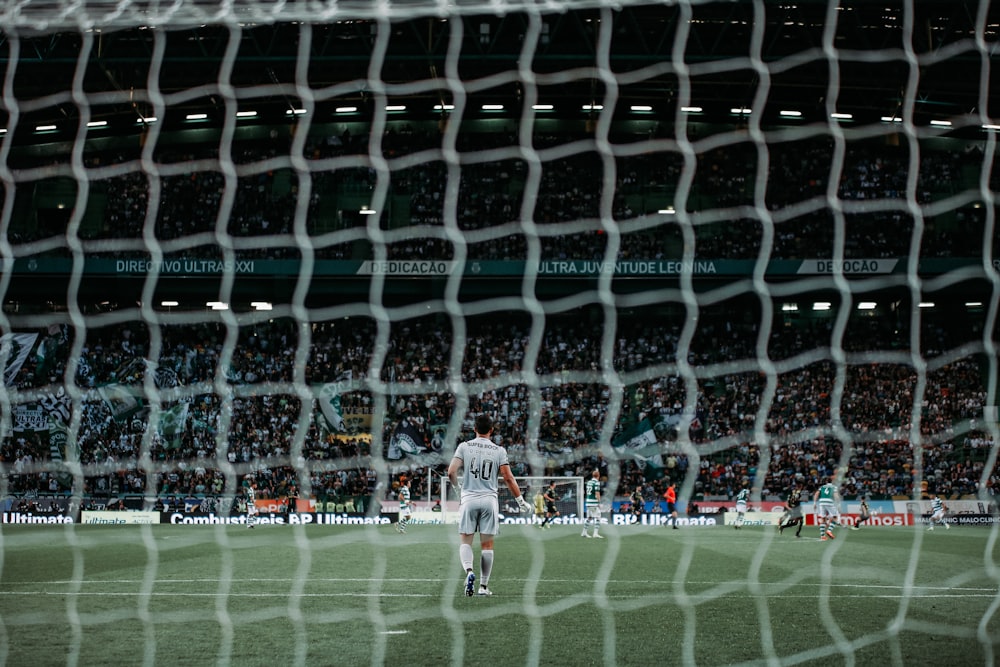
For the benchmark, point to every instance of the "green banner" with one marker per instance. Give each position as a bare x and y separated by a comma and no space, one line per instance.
475,268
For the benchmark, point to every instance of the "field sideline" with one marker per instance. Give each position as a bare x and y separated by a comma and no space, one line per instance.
318,595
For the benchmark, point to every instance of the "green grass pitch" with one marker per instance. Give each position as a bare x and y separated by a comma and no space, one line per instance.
346,595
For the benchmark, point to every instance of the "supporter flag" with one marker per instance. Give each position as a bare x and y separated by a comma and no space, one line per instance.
14,351
172,423
163,376
121,400
57,405
644,440
58,450
48,348
638,436
333,411
58,443
554,447
29,417
84,373
58,438
653,468
132,371
330,404
406,439
438,433
652,431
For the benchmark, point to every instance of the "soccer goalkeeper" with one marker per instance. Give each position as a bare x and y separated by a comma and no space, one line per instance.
481,461
539,508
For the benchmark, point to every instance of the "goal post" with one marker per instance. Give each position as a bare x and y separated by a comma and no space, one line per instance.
568,494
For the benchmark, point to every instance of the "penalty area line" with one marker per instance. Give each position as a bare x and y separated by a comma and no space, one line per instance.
699,597
916,590
132,594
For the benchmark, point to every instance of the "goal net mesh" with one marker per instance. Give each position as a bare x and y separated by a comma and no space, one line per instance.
566,492
621,346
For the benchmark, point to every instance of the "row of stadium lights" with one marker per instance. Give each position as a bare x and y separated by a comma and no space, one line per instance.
636,108
220,305
785,307
866,305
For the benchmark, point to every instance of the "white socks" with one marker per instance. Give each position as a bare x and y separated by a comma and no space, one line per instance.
465,555
485,567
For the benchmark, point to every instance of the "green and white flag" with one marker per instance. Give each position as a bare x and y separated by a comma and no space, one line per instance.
123,401
14,351
173,422
654,430
329,402
636,437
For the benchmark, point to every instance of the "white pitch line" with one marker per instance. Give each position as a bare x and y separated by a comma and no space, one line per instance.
212,595
388,581
370,580
537,596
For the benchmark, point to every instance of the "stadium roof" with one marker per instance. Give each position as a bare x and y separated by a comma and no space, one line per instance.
859,59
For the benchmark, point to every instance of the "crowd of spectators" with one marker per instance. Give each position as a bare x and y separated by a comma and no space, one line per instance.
562,193
555,397
551,396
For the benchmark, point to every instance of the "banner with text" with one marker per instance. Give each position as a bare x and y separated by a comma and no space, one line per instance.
569,268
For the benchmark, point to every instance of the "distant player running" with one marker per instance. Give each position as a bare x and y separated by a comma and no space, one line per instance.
671,497
551,510
864,513
792,515
741,506
937,513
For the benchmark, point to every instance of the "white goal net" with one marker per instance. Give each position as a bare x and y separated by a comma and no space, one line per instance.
284,253
566,493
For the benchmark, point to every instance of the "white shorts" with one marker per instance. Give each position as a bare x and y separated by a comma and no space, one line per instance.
478,514
938,516
741,506
826,509
252,510
593,511
405,513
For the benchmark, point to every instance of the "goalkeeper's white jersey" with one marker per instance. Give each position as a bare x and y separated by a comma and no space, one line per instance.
481,460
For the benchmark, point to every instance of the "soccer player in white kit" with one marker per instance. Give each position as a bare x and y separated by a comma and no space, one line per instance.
481,461
937,513
251,493
741,506
592,505
826,507
405,509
